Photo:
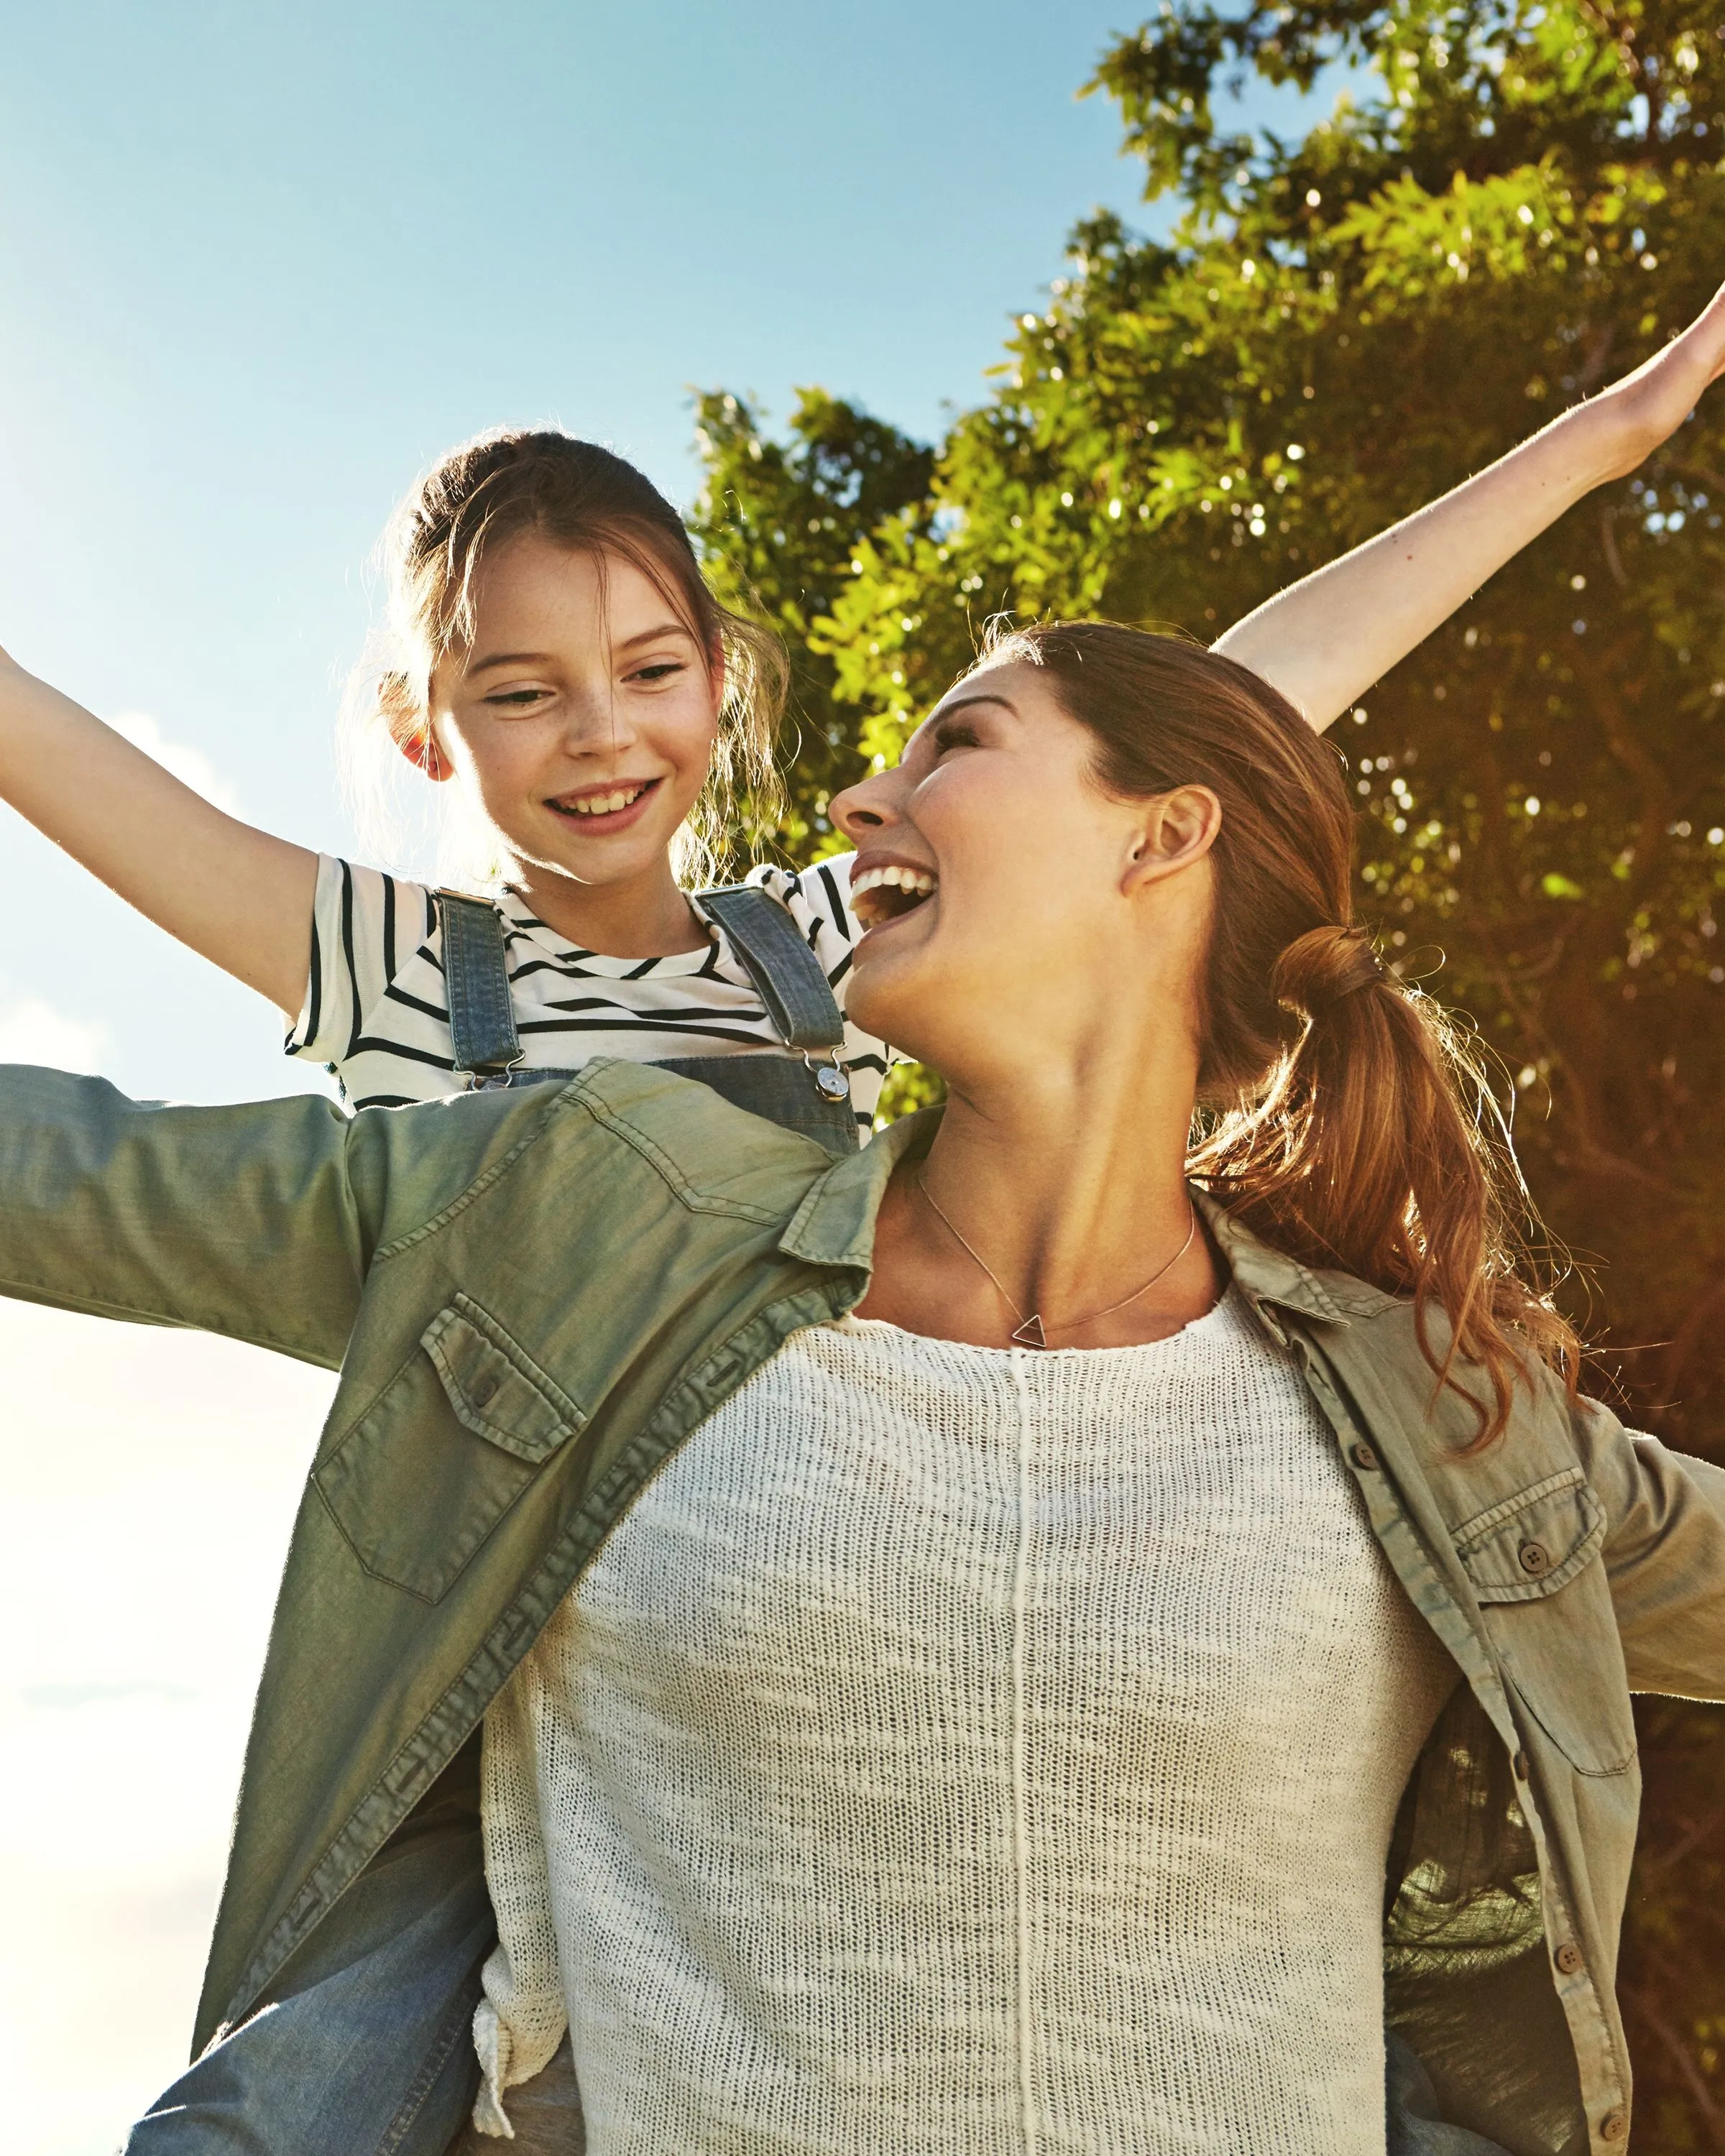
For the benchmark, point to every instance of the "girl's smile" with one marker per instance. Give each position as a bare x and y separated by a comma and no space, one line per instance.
602,809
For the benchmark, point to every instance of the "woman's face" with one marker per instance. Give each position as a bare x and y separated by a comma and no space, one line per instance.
1006,898
581,718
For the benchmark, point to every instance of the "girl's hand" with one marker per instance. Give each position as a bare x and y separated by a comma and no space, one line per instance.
1647,408
240,897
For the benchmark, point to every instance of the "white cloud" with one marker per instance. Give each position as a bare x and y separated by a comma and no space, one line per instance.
32,1031
190,765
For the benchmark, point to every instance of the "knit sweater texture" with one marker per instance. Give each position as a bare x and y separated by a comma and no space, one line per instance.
964,1752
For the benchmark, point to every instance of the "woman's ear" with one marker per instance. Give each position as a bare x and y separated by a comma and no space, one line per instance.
1171,833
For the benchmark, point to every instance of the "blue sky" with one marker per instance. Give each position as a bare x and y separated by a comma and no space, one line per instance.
260,266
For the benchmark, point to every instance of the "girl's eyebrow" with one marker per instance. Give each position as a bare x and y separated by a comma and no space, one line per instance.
507,658
653,635
539,658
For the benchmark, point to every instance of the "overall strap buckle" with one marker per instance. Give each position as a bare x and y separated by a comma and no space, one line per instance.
789,977
476,976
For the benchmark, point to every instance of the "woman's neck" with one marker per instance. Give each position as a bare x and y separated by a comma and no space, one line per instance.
1060,1197
642,916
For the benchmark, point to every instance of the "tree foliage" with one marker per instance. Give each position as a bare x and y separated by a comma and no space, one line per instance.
1512,204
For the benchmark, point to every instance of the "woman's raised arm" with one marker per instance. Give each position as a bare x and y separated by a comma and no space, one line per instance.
234,894
1324,641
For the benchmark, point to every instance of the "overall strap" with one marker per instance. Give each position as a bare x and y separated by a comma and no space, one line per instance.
785,972
476,975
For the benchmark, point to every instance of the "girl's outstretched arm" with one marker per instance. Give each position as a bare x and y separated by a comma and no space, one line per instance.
1324,641
235,894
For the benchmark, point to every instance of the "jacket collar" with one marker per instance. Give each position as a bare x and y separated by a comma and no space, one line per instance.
834,1226
1266,1275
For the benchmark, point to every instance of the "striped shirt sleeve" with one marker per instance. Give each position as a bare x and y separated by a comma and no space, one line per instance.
364,925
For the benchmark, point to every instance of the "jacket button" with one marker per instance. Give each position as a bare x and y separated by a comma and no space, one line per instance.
1535,1558
1614,2125
1518,1766
1364,1456
485,1389
1568,1957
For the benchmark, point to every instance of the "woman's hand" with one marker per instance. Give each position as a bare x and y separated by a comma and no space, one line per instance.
1647,408
1324,641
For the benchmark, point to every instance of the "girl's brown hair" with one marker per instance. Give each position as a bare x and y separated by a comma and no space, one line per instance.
576,494
1342,1116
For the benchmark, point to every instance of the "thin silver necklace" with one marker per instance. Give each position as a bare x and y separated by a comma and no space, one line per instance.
1033,1329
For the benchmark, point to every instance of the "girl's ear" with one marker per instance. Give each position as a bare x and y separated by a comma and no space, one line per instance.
421,750
410,727
1171,833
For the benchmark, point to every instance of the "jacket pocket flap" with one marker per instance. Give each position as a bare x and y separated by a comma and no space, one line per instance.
1534,1542
494,1386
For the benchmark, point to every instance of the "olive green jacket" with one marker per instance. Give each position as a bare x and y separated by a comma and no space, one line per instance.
534,1296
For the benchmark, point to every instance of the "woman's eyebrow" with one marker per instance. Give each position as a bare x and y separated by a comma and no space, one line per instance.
964,703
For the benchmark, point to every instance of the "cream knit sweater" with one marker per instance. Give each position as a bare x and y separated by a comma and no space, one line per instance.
959,1752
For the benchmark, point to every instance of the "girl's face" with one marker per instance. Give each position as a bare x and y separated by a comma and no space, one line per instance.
1025,904
582,715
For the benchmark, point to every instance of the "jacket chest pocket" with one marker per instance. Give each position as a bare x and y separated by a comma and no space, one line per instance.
1534,1563
436,1459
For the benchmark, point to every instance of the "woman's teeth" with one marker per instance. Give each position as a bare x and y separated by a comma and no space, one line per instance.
882,894
603,804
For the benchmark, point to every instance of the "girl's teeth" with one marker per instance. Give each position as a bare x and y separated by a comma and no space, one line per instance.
606,804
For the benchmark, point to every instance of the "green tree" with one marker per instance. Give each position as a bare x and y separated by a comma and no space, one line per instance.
779,522
1518,200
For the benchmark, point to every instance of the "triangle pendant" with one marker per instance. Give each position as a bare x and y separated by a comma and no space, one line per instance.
1030,1333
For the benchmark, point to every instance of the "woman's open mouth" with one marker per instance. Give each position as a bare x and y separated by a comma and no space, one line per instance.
889,892
595,810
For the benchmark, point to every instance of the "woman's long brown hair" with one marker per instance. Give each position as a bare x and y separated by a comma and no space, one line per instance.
1343,1116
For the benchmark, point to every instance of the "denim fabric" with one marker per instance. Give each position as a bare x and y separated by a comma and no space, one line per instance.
784,970
1414,2127
476,973
546,2113
363,2046
799,999
788,976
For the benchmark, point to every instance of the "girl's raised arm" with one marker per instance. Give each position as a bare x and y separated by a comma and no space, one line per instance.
233,893
1324,641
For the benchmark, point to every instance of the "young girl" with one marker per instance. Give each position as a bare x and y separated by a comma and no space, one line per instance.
560,660
968,1632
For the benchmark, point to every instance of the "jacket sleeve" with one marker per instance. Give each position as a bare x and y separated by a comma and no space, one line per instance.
239,1220
1665,1555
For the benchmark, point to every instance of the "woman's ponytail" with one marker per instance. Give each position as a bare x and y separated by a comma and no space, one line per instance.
1345,1117
1377,1148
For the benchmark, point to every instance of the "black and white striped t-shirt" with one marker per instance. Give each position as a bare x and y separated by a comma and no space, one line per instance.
376,1012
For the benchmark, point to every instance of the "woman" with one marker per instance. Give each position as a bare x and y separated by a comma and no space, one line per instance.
901,1734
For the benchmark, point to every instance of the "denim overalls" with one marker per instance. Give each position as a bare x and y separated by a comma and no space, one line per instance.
812,1095
363,2046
